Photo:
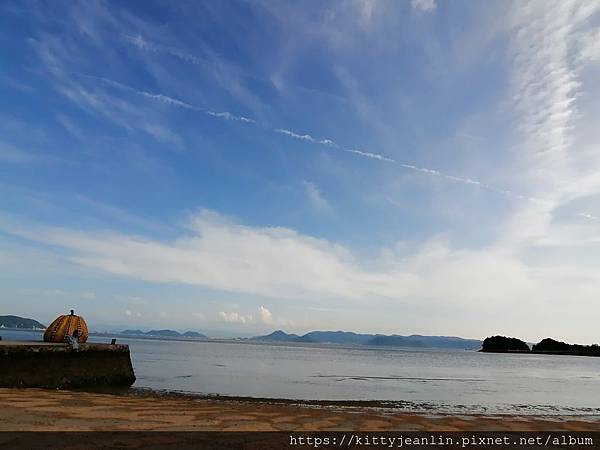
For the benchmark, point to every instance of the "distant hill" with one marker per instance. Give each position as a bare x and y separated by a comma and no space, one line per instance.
20,322
376,340
550,345
337,337
165,334
278,336
193,334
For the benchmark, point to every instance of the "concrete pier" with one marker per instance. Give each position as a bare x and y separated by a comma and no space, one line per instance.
57,365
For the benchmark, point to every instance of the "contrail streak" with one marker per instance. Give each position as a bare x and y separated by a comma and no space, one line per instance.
332,144
170,100
324,142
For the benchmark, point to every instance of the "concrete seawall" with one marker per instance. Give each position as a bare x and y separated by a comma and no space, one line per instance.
50,365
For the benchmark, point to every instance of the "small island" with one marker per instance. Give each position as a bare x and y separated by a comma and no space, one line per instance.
503,344
549,345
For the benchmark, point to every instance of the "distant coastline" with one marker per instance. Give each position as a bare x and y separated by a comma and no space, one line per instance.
279,336
493,344
373,340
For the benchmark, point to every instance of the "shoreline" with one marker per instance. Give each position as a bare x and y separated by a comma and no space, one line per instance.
389,406
62,410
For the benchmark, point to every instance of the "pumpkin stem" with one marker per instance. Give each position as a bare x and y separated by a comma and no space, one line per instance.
72,312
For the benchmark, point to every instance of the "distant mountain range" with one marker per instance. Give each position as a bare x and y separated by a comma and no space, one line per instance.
329,337
165,334
20,322
376,340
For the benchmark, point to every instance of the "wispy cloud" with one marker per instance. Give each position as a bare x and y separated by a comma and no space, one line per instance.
546,52
163,134
546,86
70,126
315,197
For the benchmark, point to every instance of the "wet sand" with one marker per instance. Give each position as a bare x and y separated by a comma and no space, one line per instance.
50,410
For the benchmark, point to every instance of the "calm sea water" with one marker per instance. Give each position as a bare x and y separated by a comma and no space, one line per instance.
418,379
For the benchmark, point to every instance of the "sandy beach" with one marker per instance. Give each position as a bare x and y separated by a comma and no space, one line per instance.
53,410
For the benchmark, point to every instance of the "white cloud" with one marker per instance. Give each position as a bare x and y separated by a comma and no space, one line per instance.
590,46
265,315
235,317
284,264
423,5
268,318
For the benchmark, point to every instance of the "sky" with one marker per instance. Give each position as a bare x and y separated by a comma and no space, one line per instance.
236,167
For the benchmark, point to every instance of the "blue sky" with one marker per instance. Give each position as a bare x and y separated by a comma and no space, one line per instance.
377,166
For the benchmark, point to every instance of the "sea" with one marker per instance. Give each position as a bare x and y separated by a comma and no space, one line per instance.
420,380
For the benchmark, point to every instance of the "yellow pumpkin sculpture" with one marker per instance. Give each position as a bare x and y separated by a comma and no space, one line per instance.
64,327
